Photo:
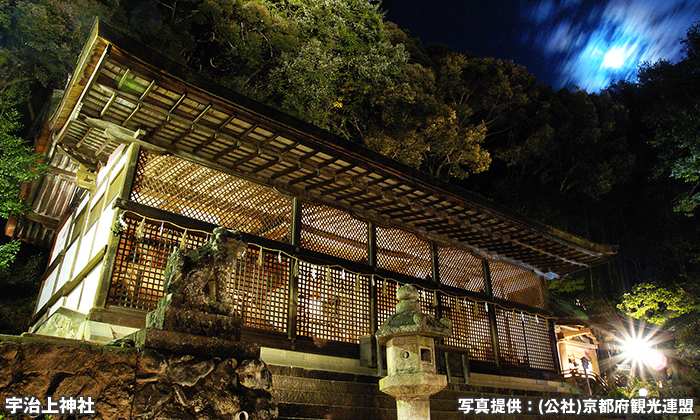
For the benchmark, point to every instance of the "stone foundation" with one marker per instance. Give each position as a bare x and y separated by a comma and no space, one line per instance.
132,383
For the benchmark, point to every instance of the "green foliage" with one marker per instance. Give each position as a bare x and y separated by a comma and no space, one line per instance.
343,59
8,252
444,107
672,111
414,125
18,164
632,387
571,144
567,284
658,304
41,40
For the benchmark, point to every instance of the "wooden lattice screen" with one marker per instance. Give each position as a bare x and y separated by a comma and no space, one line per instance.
470,327
192,190
524,340
137,279
403,252
260,288
517,284
461,269
332,304
333,232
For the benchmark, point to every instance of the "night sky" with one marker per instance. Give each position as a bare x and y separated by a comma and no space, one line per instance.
564,43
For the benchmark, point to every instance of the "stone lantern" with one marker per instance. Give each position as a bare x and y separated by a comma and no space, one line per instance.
409,336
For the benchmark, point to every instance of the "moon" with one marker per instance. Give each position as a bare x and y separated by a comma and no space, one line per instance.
615,58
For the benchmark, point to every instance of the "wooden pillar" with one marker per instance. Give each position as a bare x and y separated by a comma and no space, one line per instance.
293,298
435,264
113,241
372,257
492,315
376,356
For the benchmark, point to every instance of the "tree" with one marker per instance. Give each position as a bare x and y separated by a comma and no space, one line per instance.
40,41
344,58
659,304
671,110
18,164
415,126
318,60
445,107
572,145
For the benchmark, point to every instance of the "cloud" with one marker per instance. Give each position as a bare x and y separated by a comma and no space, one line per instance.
587,37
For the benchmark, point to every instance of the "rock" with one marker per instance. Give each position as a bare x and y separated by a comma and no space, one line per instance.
202,275
143,384
188,373
253,374
150,366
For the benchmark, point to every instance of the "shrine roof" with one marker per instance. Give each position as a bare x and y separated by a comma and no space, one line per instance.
167,108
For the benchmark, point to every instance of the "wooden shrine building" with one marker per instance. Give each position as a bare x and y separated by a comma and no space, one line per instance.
147,156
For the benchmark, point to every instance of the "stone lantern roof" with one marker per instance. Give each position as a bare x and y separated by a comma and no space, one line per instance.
410,320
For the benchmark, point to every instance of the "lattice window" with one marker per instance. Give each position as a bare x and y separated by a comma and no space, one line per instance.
192,190
460,268
540,343
332,304
403,252
333,232
524,340
259,288
386,300
137,280
516,284
470,327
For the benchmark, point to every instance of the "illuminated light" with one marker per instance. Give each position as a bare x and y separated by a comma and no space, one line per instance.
643,392
640,351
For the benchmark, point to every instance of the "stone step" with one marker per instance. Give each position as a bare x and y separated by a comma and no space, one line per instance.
289,411
307,394
334,399
311,384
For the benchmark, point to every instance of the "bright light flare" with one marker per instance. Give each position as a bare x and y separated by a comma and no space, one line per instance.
641,351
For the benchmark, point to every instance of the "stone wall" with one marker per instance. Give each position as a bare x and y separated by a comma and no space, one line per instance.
132,383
